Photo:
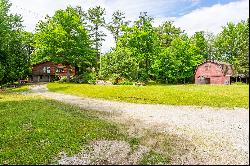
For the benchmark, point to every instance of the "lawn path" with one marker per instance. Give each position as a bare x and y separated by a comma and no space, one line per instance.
220,133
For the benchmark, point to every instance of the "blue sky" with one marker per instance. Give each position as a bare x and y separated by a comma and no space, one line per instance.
184,7
189,15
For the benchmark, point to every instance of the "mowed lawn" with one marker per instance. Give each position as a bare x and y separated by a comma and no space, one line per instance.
35,130
198,95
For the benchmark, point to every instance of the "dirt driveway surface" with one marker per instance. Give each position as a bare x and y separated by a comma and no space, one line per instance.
220,135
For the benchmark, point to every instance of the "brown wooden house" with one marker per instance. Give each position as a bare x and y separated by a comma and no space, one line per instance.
47,71
213,72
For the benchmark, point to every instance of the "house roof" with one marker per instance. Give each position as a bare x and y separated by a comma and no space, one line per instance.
40,63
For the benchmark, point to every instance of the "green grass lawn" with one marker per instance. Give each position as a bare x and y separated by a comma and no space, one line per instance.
198,95
35,130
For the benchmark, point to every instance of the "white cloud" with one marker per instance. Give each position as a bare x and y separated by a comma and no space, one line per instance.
213,18
35,10
208,19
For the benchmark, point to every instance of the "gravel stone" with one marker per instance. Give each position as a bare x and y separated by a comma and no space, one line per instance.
105,153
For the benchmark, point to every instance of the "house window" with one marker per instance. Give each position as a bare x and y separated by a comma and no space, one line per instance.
46,70
41,77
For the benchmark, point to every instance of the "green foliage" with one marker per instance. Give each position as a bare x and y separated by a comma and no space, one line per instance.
123,83
232,46
167,32
119,64
177,62
142,40
201,44
90,77
239,83
115,26
96,18
64,39
74,37
14,57
78,79
87,77
63,79
198,95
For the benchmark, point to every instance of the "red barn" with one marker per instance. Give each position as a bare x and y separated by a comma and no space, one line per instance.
213,72
47,71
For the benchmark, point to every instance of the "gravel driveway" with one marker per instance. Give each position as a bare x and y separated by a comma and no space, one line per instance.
221,135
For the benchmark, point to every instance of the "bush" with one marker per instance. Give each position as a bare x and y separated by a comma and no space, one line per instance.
123,83
87,77
78,79
90,78
151,82
119,63
63,79
56,78
239,83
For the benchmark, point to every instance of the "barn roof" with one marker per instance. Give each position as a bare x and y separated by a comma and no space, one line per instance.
225,66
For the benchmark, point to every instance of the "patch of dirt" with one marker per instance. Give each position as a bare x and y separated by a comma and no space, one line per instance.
105,153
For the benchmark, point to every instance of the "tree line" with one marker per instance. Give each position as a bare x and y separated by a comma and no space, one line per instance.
142,52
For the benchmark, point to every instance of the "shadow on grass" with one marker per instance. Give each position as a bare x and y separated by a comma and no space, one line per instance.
34,131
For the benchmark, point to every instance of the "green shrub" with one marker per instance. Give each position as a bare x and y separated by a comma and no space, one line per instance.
63,79
91,78
78,79
123,83
239,83
126,83
56,78
87,77
152,82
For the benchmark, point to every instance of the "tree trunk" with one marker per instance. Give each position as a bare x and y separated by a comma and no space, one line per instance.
97,48
76,70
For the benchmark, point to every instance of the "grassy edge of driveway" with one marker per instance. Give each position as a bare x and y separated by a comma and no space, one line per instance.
230,96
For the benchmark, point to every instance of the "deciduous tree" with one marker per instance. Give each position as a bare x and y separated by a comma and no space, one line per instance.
64,39
115,26
96,18
14,58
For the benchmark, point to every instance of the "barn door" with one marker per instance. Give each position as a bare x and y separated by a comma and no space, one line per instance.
207,80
